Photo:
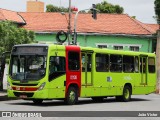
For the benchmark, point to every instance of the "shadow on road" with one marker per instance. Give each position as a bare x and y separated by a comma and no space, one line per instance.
81,102
5,98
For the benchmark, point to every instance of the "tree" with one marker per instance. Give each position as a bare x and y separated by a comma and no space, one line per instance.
105,7
157,10
52,8
11,35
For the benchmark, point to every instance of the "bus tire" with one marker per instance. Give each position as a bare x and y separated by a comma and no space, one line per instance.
37,101
72,96
126,94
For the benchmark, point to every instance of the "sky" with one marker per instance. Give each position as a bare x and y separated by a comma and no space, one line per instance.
142,9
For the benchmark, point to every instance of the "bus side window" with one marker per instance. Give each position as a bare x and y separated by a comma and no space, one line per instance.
74,61
86,60
115,63
102,63
151,65
128,64
89,62
83,62
136,64
57,64
142,65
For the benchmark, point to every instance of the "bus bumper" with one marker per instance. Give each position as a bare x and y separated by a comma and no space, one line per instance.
39,94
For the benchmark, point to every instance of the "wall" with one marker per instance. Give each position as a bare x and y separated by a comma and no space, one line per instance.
145,44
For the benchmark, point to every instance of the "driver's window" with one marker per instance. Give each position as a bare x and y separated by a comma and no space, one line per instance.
57,64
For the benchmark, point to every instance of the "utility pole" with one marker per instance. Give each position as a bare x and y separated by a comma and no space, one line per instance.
69,23
158,59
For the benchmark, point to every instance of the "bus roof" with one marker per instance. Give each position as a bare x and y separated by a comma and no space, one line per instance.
96,50
109,51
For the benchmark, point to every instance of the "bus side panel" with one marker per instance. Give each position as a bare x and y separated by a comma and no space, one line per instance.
57,88
140,88
90,89
152,83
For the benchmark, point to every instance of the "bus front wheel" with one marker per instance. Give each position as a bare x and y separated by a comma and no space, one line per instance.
72,96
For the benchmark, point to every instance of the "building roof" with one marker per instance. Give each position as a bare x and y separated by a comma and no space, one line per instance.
154,27
11,16
105,23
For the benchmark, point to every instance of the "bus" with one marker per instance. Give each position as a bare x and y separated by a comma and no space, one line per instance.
40,72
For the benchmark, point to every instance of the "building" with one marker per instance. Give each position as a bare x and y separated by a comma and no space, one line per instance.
113,31
35,6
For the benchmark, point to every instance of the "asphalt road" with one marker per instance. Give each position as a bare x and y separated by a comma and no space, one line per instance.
138,103
143,104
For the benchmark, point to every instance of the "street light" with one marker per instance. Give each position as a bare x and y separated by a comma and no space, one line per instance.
94,15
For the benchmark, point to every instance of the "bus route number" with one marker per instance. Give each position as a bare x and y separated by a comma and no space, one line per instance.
73,77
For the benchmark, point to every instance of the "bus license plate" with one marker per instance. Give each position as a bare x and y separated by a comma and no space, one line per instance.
23,96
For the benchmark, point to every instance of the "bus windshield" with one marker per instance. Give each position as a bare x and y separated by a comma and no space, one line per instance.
27,67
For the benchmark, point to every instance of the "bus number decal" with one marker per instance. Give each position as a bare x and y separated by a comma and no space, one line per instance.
73,77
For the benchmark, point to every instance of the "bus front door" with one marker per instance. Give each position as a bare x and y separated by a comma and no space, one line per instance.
86,69
143,70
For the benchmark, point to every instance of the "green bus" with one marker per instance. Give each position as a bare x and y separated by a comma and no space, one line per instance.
39,72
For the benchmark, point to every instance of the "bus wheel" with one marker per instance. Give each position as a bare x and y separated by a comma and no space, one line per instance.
126,94
72,96
37,101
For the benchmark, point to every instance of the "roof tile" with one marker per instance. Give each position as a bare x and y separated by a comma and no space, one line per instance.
105,23
10,15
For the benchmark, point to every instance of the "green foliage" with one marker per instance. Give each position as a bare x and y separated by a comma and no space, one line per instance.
11,35
52,8
105,7
157,10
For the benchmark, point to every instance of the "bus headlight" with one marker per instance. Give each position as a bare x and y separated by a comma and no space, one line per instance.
42,86
9,86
